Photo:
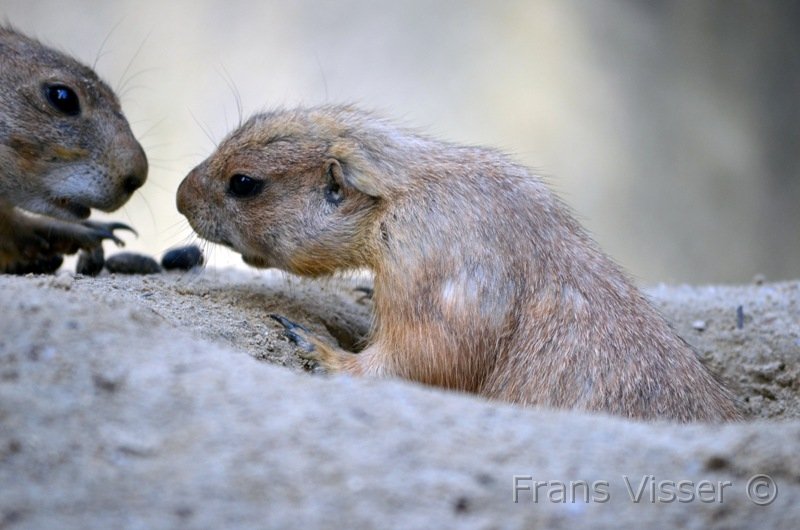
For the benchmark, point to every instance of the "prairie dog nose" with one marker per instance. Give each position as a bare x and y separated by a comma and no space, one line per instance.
183,197
133,168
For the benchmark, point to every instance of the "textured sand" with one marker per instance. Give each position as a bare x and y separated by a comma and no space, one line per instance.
157,402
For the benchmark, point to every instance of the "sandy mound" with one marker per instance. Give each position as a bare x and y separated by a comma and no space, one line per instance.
137,402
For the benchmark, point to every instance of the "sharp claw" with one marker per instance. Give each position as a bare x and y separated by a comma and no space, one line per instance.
286,323
107,230
301,343
289,333
121,226
107,234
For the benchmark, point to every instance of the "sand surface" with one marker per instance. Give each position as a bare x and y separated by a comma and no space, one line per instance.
173,401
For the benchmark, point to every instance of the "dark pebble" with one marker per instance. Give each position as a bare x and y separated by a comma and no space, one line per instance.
132,263
90,262
41,266
182,258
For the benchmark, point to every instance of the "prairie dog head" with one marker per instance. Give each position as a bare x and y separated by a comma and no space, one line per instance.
65,146
296,190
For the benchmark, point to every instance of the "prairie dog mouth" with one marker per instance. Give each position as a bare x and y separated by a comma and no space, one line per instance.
73,208
256,261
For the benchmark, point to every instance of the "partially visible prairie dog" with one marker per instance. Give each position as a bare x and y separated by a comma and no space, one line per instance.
65,148
483,280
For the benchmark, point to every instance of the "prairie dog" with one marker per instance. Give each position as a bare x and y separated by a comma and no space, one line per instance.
484,282
65,148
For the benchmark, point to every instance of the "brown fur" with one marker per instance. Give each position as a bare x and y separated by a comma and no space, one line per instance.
484,282
53,164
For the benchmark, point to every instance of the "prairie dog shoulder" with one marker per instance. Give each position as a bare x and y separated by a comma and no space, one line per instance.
484,282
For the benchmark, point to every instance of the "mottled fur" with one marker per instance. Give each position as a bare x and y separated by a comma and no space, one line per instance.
484,282
57,165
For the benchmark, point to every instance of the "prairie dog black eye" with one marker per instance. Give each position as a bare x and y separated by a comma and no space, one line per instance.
63,99
242,186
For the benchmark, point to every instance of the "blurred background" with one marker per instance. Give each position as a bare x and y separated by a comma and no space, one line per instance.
671,128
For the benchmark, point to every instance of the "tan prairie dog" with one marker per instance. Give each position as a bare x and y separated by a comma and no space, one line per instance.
484,282
65,148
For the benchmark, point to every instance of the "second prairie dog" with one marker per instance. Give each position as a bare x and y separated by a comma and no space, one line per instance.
484,282
65,148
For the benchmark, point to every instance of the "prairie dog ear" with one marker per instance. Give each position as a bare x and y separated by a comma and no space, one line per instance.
357,172
335,173
335,181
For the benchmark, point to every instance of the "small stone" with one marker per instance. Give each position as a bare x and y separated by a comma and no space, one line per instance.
90,262
132,263
699,325
759,279
182,258
41,266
